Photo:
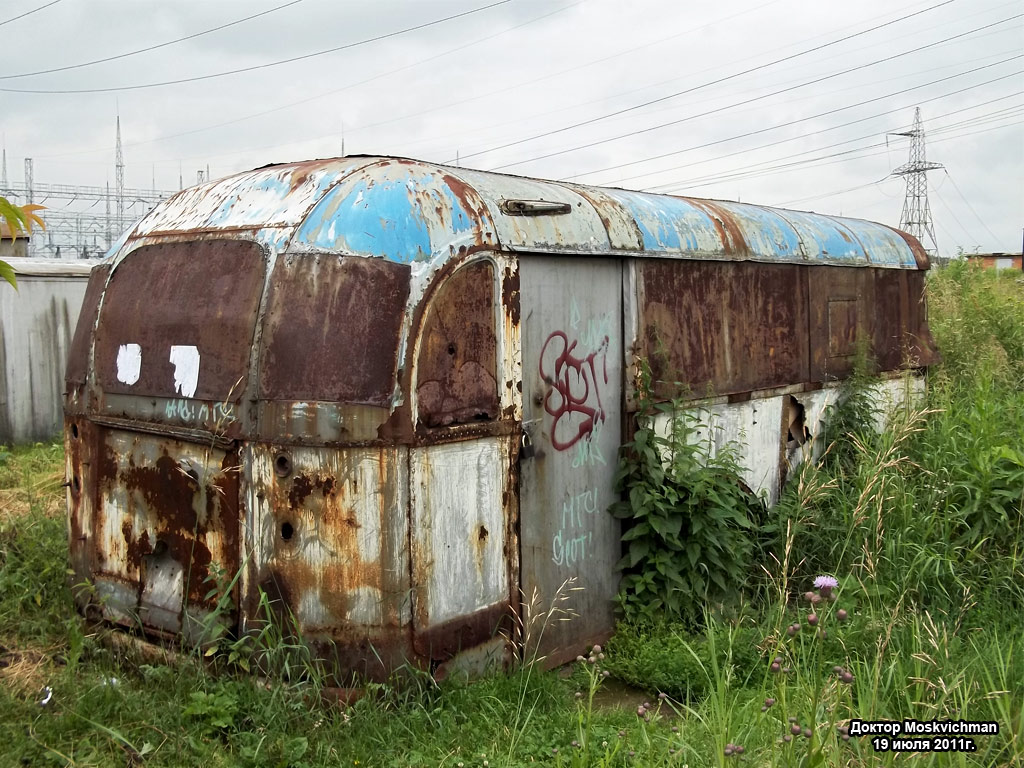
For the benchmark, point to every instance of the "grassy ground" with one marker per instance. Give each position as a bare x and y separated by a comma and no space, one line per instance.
922,527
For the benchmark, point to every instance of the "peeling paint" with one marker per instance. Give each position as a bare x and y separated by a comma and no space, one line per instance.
129,363
185,359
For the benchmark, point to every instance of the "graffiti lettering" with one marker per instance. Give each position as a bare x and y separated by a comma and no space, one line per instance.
574,397
199,413
587,453
569,545
569,550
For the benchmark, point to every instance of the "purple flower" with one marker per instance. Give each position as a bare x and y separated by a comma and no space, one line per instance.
826,584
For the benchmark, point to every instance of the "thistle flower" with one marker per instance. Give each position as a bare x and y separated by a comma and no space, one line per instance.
825,584
841,614
812,619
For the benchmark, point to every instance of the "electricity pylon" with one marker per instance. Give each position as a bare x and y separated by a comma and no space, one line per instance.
917,214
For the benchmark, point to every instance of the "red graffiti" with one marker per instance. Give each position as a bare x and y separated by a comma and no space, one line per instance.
574,396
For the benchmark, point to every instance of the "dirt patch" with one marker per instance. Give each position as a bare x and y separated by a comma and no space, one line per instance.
45,495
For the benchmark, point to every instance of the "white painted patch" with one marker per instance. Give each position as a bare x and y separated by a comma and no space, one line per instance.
185,360
753,429
458,527
129,363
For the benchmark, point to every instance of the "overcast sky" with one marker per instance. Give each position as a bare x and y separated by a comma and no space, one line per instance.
646,94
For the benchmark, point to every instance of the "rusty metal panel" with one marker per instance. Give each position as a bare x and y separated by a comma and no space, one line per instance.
675,225
399,210
842,309
623,232
81,447
331,329
721,328
920,347
831,240
888,247
76,373
457,357
461,544
177,322
165,529
275,196
328,530
581,230
572,414
319,423
890,316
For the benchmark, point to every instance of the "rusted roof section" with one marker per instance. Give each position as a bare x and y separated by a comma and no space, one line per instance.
413,212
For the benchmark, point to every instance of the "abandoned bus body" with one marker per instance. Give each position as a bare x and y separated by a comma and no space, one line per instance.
383,399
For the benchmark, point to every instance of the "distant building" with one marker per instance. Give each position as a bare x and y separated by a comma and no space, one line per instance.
997,260
16,247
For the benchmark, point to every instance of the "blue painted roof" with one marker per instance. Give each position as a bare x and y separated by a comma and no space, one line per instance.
415,212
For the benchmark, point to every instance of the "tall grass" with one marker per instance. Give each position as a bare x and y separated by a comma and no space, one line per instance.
921,525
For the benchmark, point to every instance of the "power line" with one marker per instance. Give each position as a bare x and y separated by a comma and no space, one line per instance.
559,73
489,93
29,13
705,85
740,103
811,117
577,105
887,176
346,87
949,210
749,171
256,67
967,202
152,47
845,156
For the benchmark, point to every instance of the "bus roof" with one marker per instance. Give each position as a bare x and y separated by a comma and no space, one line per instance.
423,213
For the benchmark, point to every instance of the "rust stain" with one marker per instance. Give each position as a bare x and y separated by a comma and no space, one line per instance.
729,230
723,327
510,293
331,329
457,357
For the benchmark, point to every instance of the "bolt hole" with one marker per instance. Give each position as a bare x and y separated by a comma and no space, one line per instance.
283,465
76,484
287,531
451,348
74,431
483,534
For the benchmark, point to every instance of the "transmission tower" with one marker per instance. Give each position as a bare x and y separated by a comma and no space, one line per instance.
119,180
917,214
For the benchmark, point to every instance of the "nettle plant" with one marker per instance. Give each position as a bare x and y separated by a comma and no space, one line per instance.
691,528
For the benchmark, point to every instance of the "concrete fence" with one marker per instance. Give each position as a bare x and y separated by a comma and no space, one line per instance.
37,323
